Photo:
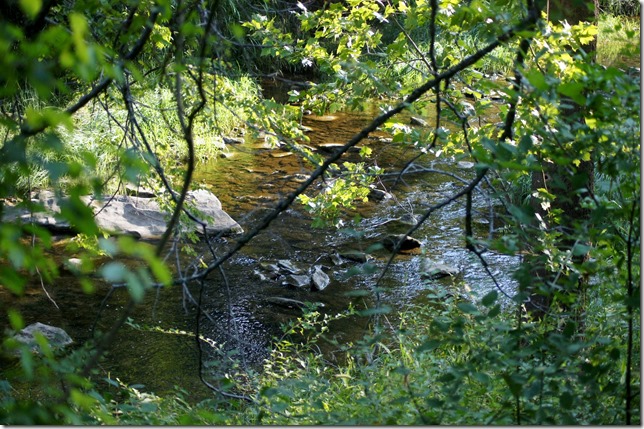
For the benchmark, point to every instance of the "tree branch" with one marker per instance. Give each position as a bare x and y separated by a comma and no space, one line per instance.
285,203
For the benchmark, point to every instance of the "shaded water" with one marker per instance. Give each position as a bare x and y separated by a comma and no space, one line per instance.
249,182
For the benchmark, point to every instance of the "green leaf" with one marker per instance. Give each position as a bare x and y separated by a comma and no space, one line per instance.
79,28
114,272
580,249
514,382
43,342
31,7
573,90
56,169
135,286
489,298
536,79
373,311
525,144
481,377
160,271
87,286
524,215
428,346
15,319
82,400
27,362
566,400
108,246
494,311
12,280
237,30
467,307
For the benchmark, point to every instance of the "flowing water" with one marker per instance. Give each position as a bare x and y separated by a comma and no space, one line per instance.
237,299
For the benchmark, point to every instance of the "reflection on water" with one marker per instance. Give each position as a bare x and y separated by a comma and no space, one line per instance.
237,314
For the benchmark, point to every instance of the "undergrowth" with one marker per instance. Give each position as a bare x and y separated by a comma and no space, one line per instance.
618,41
452,362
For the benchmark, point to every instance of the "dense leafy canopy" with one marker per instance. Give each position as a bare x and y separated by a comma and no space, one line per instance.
95,95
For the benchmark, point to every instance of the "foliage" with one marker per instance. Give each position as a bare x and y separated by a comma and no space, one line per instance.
449,362
620,7
96,94
342,192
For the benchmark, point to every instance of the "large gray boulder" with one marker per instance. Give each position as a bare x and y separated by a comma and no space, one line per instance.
57,337
217,220
131,215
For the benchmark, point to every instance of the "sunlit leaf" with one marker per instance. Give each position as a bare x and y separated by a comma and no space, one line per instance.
31,7
15,319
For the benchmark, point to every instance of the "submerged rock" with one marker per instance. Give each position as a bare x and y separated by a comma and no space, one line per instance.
356,256
285,302
289,303
234,140
376,194
324,118
407,243
261,276
139,191
465,165
72,265
433,270
288,267
273,270
288,273
297,281
336,259
329,147
280,154
408,219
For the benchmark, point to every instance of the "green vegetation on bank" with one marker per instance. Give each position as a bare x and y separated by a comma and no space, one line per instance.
449,362
618,41
95,95
94,140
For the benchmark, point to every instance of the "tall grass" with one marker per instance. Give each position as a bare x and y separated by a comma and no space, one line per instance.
620,7
618,41
106,147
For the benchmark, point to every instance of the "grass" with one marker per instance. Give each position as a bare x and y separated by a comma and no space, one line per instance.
106,146
618,41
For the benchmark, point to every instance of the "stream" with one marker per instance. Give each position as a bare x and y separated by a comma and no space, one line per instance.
249,181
